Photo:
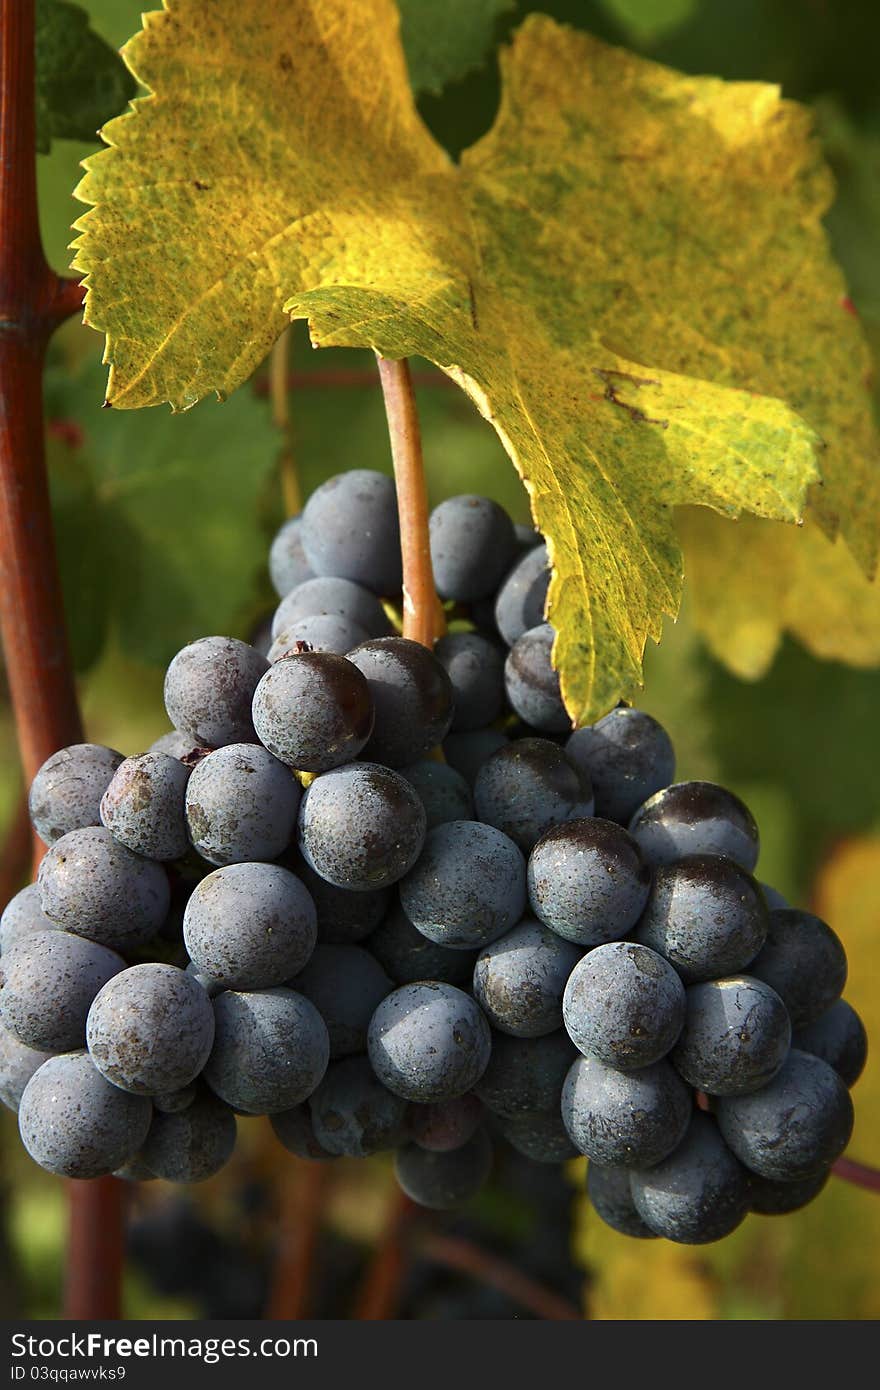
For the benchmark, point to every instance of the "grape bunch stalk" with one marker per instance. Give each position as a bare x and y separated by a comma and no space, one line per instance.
383,894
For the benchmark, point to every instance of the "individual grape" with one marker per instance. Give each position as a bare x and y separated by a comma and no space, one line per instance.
174,744
22,916
192,1144
428,1042
295,1131
804,961
250,926
773,897
520,978
338,597
361,826
95,887
150,1029
527,536
271,1049
792,1128
350,529
75,1124
588,881
610,1193
736,1036
627,756
837,1036
624,1004
706,915
353,1114
172,1102
143,807
241,805
322,632
406,956
468,886
346,985
313,710
522,597
467,752
473,544
443,792
17,1065
696,1195
344,917
695,818
447,1125
443,1181
770,1198
288,565
211,986
526,1075
633,1119
533,685
412,698
529,786
539,1135
209,687
66,793
47,984
475,668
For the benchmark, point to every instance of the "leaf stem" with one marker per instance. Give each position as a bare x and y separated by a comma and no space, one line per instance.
33,302
422,614
279,394
342,378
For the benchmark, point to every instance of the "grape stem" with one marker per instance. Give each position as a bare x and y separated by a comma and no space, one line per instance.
422,614
33,302
861,1174
279,394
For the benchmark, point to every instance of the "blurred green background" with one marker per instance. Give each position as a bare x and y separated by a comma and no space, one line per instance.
163,525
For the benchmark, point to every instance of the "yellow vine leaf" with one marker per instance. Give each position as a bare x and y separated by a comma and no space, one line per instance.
621,275
750,581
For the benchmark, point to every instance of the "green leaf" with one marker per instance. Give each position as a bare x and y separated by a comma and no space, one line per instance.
581,275
80,80
647,21
444,42
161,531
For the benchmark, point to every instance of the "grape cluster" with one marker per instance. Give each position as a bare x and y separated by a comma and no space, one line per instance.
385,896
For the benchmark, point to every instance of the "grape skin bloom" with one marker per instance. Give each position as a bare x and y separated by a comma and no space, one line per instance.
429,1042
468,886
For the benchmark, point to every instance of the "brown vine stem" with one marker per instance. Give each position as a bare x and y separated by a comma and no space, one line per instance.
467,1258
16,853
861,1174
33,302
422,614
380,1291
302,1213
279,394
